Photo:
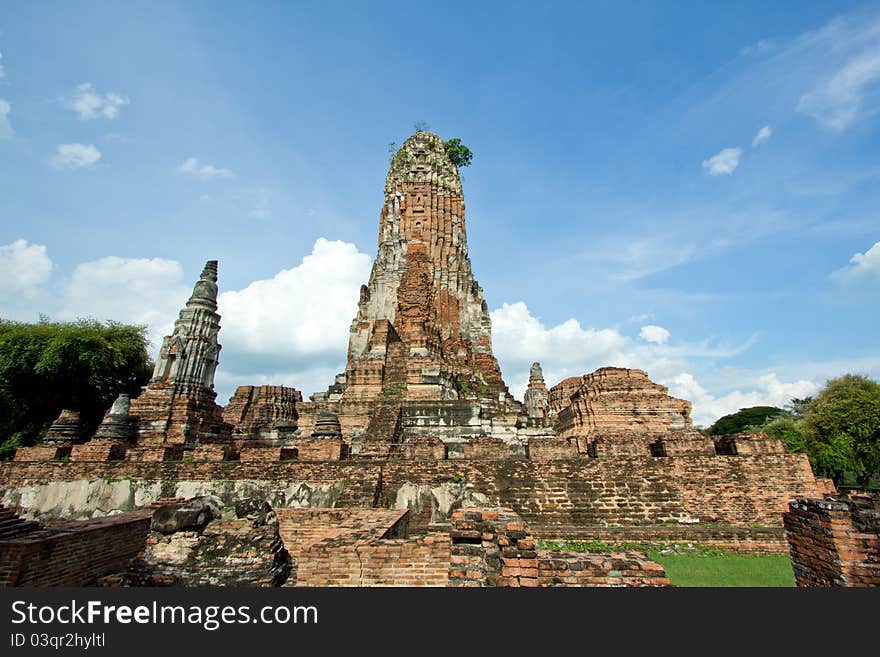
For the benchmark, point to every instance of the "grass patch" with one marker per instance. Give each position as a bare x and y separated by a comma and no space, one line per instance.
695,565
726,570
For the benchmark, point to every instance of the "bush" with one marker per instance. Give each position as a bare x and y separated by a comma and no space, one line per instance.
460,154
49,366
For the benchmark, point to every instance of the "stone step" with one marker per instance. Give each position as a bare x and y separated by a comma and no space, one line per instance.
11,528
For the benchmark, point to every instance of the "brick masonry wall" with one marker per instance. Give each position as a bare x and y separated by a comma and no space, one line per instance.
97,450
730,490
40,453
602,570
320,449
834,542
688,445
423,448
493,547
543,448
617,447
389,562
300,528
76,554
486,447
635,491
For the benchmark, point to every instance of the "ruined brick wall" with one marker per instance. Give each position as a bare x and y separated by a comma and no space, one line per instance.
254,409
320,449
744,444
390,562
226,552
494,547
97,450
123,485
619,398
486,447
361,547
612,569
686,444
423,448
825,487
619,444
39,453
559,396
736,490
74,554
542,448
628,491
491,547
300,528
834,542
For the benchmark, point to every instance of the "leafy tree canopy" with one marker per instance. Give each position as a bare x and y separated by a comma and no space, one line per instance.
841,425
48,366
460,154
745,419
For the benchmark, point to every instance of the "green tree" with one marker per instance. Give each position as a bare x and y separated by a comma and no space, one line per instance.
841,426
745,419
48,366
787,428
460,154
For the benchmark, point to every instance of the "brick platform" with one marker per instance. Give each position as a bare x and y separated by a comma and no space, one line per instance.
72,554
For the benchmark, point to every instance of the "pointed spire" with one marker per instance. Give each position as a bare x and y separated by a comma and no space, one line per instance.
536,374
205,291
189,355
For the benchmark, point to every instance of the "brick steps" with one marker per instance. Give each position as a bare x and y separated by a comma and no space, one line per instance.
13,526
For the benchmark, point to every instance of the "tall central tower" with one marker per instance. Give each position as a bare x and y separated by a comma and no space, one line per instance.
422,330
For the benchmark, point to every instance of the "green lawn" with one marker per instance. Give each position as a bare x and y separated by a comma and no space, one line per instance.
726,569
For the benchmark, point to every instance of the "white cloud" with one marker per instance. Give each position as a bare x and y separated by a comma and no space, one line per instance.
5,126
291,329
91,105
862,264
25,267
838,101
761,136
75,156
724,162
305,310
567,349
147,291
655,334
767,390
193,167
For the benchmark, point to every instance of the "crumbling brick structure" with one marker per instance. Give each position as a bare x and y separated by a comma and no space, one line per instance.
835,541
420,422
68,554
493,547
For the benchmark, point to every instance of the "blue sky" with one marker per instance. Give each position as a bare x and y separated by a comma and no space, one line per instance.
688,188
